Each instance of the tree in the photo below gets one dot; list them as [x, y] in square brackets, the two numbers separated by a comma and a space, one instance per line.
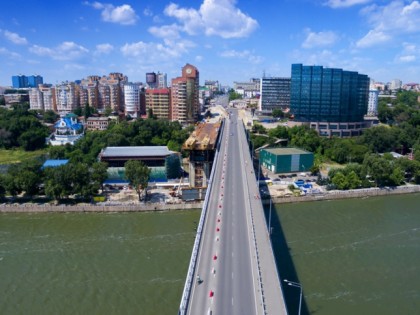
[108, 111]
[137, 174]
[99, 174]
[50, 116]
[396, 177]
[233, 95]
[340, 181]
[277, 113]
[88, 111]
[353, 180]
[58, 181]
[32, 140]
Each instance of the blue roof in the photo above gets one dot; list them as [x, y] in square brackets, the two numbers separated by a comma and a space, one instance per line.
[54, 163]
[69, 124]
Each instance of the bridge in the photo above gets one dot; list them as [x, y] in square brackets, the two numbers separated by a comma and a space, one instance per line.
[232, 268]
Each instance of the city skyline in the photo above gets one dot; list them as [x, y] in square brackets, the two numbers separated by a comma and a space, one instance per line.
[226, 40]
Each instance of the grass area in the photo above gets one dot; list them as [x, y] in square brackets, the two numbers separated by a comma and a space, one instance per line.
[16, 156]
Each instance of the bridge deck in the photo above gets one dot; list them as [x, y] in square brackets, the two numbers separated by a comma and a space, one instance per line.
[235, 262]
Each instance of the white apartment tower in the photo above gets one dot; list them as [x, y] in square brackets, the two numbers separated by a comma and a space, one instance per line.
[36, 101]
[162, 81]
[373, 102]
[132, 99]
[67, 96]
[396, 84]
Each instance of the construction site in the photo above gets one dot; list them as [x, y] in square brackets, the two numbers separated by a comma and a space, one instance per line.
[201, 148]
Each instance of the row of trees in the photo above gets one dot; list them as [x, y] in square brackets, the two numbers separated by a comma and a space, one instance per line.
[66, 180]
[55, 182]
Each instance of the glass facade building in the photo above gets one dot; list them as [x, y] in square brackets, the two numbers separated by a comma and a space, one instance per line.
[274, 94]
[327, 95]
[22, 81]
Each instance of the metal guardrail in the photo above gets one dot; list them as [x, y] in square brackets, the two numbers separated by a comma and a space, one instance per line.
[191, 269]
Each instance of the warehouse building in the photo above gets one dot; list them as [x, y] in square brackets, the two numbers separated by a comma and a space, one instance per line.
[155, 157]
[286, 160]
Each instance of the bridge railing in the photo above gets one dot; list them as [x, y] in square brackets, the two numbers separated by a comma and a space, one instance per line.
[254, 238]
[249, 154]
[191, 269]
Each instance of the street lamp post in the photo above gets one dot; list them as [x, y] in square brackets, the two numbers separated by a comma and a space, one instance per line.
[297, 285]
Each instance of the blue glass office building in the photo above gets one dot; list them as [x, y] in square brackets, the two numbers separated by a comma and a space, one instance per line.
[22, 81]
[332, 101]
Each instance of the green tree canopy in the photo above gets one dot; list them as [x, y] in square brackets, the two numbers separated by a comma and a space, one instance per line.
[138, 175]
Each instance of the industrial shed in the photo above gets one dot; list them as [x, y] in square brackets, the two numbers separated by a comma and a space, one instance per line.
[286, 160]
[155, 157]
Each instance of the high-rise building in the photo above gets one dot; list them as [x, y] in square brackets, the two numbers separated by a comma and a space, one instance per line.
[132, 99]
[395, 85]
[19, 81]
[185, 96]
[274, 94]
[159, 102]
[35, 80]
[67, 96]
[151, 81]
[103, 92]
[373, 102]
[22, 81]
[48, 97]
[36, 101]
[332, 101]
[42, 98]
[162, 82]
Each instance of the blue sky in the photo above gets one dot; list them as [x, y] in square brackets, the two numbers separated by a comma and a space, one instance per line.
[226, 40]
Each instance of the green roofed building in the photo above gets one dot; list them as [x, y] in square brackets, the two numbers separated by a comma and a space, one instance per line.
[286, 160]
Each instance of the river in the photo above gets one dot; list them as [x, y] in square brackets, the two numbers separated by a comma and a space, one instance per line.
[94, 263]
[355, 256]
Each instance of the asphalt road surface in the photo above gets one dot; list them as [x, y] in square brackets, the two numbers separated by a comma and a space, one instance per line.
[226, 262]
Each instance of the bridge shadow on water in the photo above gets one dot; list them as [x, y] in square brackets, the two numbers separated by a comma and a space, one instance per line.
[285, 267]
[284, 261]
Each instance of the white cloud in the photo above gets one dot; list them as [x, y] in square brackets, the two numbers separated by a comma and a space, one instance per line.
[344, 3]
[390, 21]
[64, 51]
[14, 38]
[165, 31]
[409, 53]
[407, 58]
[313, 39]
[148, 12]
[8, 53]
[123, 14]
[103, 49]
[153, 52]
[198, 58]
[245, 54]
[215, 17]
[372, 38]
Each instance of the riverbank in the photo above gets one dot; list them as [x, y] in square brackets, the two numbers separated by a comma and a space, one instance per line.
[348, 194]
[141, 207]
[106, 207]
